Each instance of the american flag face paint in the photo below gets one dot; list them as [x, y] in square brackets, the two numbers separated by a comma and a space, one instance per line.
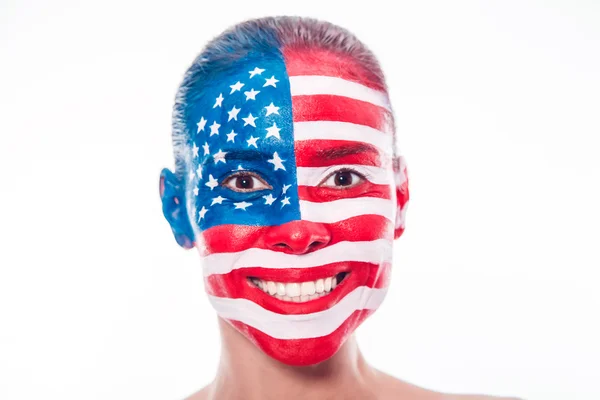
[294, 199]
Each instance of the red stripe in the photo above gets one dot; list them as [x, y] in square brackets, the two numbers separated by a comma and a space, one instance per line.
[338, 108]
[403, 192]
[301, 352]
[323, 194]
[233, 238]
[235, 284]
[324, 153]
[314, 61]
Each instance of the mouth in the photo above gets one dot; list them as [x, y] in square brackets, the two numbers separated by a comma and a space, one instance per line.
[299, 292]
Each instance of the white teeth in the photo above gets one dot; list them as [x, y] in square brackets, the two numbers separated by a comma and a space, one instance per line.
[307, 288]
[297, 292]
[292, 289]
[280, 289]
[320, 286]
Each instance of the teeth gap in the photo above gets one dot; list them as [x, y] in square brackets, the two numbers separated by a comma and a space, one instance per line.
[340, 277]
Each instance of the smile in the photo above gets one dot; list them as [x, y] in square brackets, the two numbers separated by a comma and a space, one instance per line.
[299, 292]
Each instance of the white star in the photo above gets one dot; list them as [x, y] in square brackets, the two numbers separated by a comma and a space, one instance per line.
[199, 172]
[242, 205]
[212, 182]
[285, 188]
[271, 82]
[217, 200]
[257, 71]
[233, 113]
[286, 200]
[192, 175]
[273, 131]
[219, 156]
[214, 128]
[252, 141]
[219, 101]
[236, 87]
[195, 150]
[271, 109]
[269, 199]
[251, 95]
[201, 124]
[231, 136]
[206, 149]
[202, 213]
[277, 162]
[196, 191]
[249, 120]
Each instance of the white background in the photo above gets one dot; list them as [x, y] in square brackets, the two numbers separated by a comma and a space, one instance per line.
[495, 286]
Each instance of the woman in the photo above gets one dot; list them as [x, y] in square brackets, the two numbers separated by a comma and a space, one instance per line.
[288, 183]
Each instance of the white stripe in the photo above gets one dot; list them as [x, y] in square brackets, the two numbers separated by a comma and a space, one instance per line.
[298, 326]
[339, 210]
[312, 176]
[375, 252]
[335, 130]
[314, 84]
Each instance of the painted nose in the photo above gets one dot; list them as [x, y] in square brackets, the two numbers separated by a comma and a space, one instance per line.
[297, 237]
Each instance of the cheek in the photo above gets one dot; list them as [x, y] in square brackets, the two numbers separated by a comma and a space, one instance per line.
[362, 229]
[231, 238]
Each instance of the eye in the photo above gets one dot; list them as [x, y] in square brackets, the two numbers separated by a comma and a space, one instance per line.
[245, 182]
[342, 179]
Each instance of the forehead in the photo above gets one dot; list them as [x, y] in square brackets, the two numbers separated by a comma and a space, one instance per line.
[270, 103]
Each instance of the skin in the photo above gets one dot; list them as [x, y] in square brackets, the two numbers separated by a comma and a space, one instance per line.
[247, 373]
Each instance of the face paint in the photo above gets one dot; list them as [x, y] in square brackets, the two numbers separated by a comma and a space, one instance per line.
[293, 200]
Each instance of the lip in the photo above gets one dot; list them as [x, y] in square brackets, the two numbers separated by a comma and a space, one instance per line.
[306, 307]
[356, 275]
[297, 275]
[235, 284]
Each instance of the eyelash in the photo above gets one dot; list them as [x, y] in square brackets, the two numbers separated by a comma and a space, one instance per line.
[362, 175]
[245, 173]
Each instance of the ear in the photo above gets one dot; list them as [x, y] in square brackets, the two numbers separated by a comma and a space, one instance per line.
[401, 179]
[172, 194]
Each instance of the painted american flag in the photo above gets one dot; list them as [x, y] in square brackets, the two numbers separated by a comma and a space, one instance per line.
[291, 121]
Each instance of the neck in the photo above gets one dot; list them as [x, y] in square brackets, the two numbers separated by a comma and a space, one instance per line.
[246, 372]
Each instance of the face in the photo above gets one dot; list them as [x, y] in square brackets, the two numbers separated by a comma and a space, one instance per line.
[293, 200]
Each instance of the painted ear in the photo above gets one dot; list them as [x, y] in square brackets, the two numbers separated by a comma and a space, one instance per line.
[172, 194]
[401, 179]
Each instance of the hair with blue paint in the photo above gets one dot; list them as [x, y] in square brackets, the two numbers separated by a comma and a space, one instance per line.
[267, 35]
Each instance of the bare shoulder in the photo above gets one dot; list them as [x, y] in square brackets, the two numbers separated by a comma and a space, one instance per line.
[202, 394]
[394, 388]
[475, 397]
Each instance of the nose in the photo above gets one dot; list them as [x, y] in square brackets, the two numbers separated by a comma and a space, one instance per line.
[297, 237]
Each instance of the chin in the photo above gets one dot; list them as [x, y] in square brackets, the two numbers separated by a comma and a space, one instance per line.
[303, 352]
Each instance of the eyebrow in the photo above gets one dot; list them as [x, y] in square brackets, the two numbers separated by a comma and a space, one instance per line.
[343, 151]
[247, 155]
